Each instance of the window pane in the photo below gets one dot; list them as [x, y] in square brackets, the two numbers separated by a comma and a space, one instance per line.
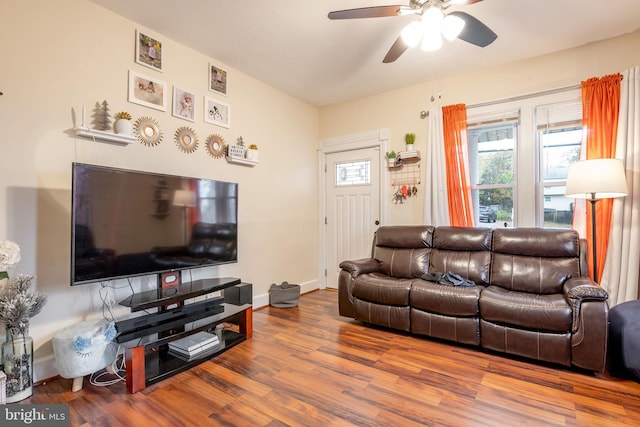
[558, 210]
[495, 150]
[492, 168]
[560, 148]
[353, 173]
[495, 207]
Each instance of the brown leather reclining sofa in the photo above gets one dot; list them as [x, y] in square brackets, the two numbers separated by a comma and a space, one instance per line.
[530, 297]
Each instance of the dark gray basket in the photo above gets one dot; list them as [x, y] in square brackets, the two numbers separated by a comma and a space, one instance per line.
[284, 296]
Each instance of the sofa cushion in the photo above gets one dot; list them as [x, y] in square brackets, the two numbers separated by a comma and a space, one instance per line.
[464, 251]
[534, 259]
[403, 263]
[389, 316]
[545, 346]
[405, 236]
[443, 299]
[531, 311]
[537, 242]
[462, 238]
[403, 251]
[381, 289]
[465, 330]
[531, 274]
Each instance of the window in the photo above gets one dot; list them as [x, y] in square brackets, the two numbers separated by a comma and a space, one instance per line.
[492, 153]
[559, 137]
[519, 152]
[353, 173]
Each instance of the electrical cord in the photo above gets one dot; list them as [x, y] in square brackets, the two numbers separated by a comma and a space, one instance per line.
[118, 369]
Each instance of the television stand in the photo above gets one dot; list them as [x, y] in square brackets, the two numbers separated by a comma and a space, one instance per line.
[148, 359]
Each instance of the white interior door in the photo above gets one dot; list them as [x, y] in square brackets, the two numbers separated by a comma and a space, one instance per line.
[352, 183]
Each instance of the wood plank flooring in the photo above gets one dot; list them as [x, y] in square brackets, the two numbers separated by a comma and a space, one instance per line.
[307, 366]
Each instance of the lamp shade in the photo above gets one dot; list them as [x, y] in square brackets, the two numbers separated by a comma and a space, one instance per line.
[596, 179]
[184, 198]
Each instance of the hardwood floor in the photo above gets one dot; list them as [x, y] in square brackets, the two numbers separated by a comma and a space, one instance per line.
[307, 366]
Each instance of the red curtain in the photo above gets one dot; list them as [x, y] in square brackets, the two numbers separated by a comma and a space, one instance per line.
[454, 119]
[600, 111]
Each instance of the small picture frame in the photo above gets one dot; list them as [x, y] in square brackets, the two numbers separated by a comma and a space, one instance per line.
[217, 80]
[148, 51]
[217, 112]
[184, 104]
[147, 91]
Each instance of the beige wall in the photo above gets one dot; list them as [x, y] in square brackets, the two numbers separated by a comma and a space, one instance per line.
[399, 110]
[58, 56]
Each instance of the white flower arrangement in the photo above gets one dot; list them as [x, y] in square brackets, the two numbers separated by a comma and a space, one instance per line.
[18, 304]
[9, 257]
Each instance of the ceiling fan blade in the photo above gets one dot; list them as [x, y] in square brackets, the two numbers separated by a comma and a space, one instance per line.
[397, 49]
[368, 12]
[465, 2]
[474, 31]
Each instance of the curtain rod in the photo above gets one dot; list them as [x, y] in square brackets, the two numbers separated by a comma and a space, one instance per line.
[527, 96]
[424, 114]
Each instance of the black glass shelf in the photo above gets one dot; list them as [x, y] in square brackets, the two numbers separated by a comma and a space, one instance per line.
[161, 364]
[164, 336]
[167, 296]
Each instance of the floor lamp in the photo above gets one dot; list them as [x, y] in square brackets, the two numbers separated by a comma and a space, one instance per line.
[594, 180]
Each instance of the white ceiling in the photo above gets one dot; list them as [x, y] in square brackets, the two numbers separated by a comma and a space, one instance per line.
[293, 46]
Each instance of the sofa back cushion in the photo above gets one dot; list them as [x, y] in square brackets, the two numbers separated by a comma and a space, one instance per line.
[462, 250]
[403, 251]
[534, 260]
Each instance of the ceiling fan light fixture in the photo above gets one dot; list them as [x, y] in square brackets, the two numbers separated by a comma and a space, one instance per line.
[412, 33]
[432, 40]
[452, 27]
[432, 18]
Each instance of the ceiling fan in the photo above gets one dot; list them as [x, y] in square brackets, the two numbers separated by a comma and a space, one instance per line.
[433, 24]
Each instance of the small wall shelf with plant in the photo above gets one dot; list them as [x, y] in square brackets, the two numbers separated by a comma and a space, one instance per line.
[239, 155]
[409, 140]
[103, 135]
[392, 159]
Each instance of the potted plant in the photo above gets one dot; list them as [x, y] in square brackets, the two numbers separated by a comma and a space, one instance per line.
[123, 123]
[391, 158]
[409, 139]
[252, 152]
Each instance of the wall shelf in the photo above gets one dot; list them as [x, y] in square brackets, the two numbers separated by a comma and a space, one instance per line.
[102, 136]
[240, 161]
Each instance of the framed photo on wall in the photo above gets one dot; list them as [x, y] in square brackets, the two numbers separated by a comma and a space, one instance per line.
[217, 80]
[148, 51]
[147, 91]
[184, 104]
[216, 112]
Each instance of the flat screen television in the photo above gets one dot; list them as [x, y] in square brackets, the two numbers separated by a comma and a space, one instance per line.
[129, 223]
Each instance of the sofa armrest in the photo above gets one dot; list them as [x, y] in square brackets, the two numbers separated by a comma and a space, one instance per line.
[590, 326]
[346, 279]
[360, 266]
[578, 290]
